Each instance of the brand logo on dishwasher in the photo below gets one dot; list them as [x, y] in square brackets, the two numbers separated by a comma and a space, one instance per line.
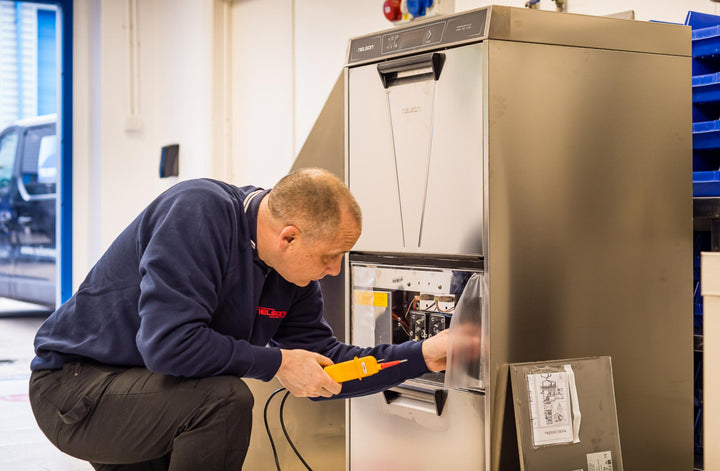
[367, 48]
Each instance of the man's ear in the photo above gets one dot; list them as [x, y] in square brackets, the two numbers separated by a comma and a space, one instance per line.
[288, 235]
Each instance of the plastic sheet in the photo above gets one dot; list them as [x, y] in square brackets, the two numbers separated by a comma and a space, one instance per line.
[466, 343]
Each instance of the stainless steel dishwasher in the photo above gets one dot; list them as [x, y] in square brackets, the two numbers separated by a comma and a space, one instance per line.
[525, 181]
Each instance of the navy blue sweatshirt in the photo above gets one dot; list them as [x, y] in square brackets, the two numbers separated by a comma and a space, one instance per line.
[182, 291]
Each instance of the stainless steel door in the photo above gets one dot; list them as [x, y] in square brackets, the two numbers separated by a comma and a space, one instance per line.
[397, 437]
[417, 150]
[425, 423]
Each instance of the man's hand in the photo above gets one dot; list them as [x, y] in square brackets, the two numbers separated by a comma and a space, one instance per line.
[301, 372]
[434, 351]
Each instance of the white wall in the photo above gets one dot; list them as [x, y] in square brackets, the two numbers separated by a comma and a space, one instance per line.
[238, 84]
[262, 90]
[321, 37]
[116, 169]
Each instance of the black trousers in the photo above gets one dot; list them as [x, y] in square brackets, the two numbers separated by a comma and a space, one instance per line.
[134, 420]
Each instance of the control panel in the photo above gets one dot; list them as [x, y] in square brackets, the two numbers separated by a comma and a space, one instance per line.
[416, 36]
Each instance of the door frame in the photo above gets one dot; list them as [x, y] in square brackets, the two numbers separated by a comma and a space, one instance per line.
[64, 213]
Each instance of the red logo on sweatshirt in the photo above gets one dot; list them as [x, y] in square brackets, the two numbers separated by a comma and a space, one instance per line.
[271, 313]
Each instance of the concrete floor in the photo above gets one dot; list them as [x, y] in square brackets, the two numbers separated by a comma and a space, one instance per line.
[23, 447]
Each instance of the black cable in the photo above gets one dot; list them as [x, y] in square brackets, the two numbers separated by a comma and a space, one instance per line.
[282, 424]
[267, 427]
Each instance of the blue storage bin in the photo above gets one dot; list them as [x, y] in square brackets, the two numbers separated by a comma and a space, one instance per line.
[706, 183]
[706, 88]
[701, 20]
[706, 42]
[706, 135]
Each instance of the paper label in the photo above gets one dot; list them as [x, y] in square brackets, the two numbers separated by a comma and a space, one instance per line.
[601, 461]
[551, 397]
[370, 298]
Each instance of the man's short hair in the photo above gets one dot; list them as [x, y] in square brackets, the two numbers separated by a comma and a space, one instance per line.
[313, 200]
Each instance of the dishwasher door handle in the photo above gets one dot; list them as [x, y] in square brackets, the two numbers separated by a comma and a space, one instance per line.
[413, 68]
[428, 400]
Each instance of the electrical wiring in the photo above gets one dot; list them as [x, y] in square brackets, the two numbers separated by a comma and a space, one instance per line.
[402, 321]
[403, 325]
[445, 311]
[411, 305]
[282, 425]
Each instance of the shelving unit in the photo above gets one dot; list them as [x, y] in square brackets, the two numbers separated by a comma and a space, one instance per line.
[706, 180]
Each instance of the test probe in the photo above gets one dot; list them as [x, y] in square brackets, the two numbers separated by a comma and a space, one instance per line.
[358, 368]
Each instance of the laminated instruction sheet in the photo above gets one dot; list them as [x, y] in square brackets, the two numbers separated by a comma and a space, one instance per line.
[554, 406]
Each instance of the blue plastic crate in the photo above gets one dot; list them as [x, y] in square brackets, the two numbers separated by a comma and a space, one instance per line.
[706, 42]
[706, 88]
[706, 183]
[701, 20]
[706, 135]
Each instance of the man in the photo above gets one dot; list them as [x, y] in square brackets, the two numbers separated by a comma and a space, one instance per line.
[141, 369]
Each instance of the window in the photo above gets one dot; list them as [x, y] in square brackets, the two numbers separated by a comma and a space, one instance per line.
[39, 162]
[8, 148]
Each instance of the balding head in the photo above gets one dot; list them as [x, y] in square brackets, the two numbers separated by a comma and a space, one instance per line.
[314, 200]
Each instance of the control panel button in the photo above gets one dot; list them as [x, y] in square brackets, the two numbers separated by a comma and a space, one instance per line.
[390, 42]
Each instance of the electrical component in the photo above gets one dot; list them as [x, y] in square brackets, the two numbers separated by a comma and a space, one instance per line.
[392, 11]
[357, 368]
[425, 302]
[408, 10]
[445, 303]
[418, 325]
[418, 7]
[436, 323]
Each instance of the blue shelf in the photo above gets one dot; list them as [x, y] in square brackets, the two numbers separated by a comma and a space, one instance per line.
[706, 88]
[706, 42]
[706, 102]
[706, 183]
[706, 135]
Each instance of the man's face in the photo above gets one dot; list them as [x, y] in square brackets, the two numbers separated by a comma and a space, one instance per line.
[306, 261]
